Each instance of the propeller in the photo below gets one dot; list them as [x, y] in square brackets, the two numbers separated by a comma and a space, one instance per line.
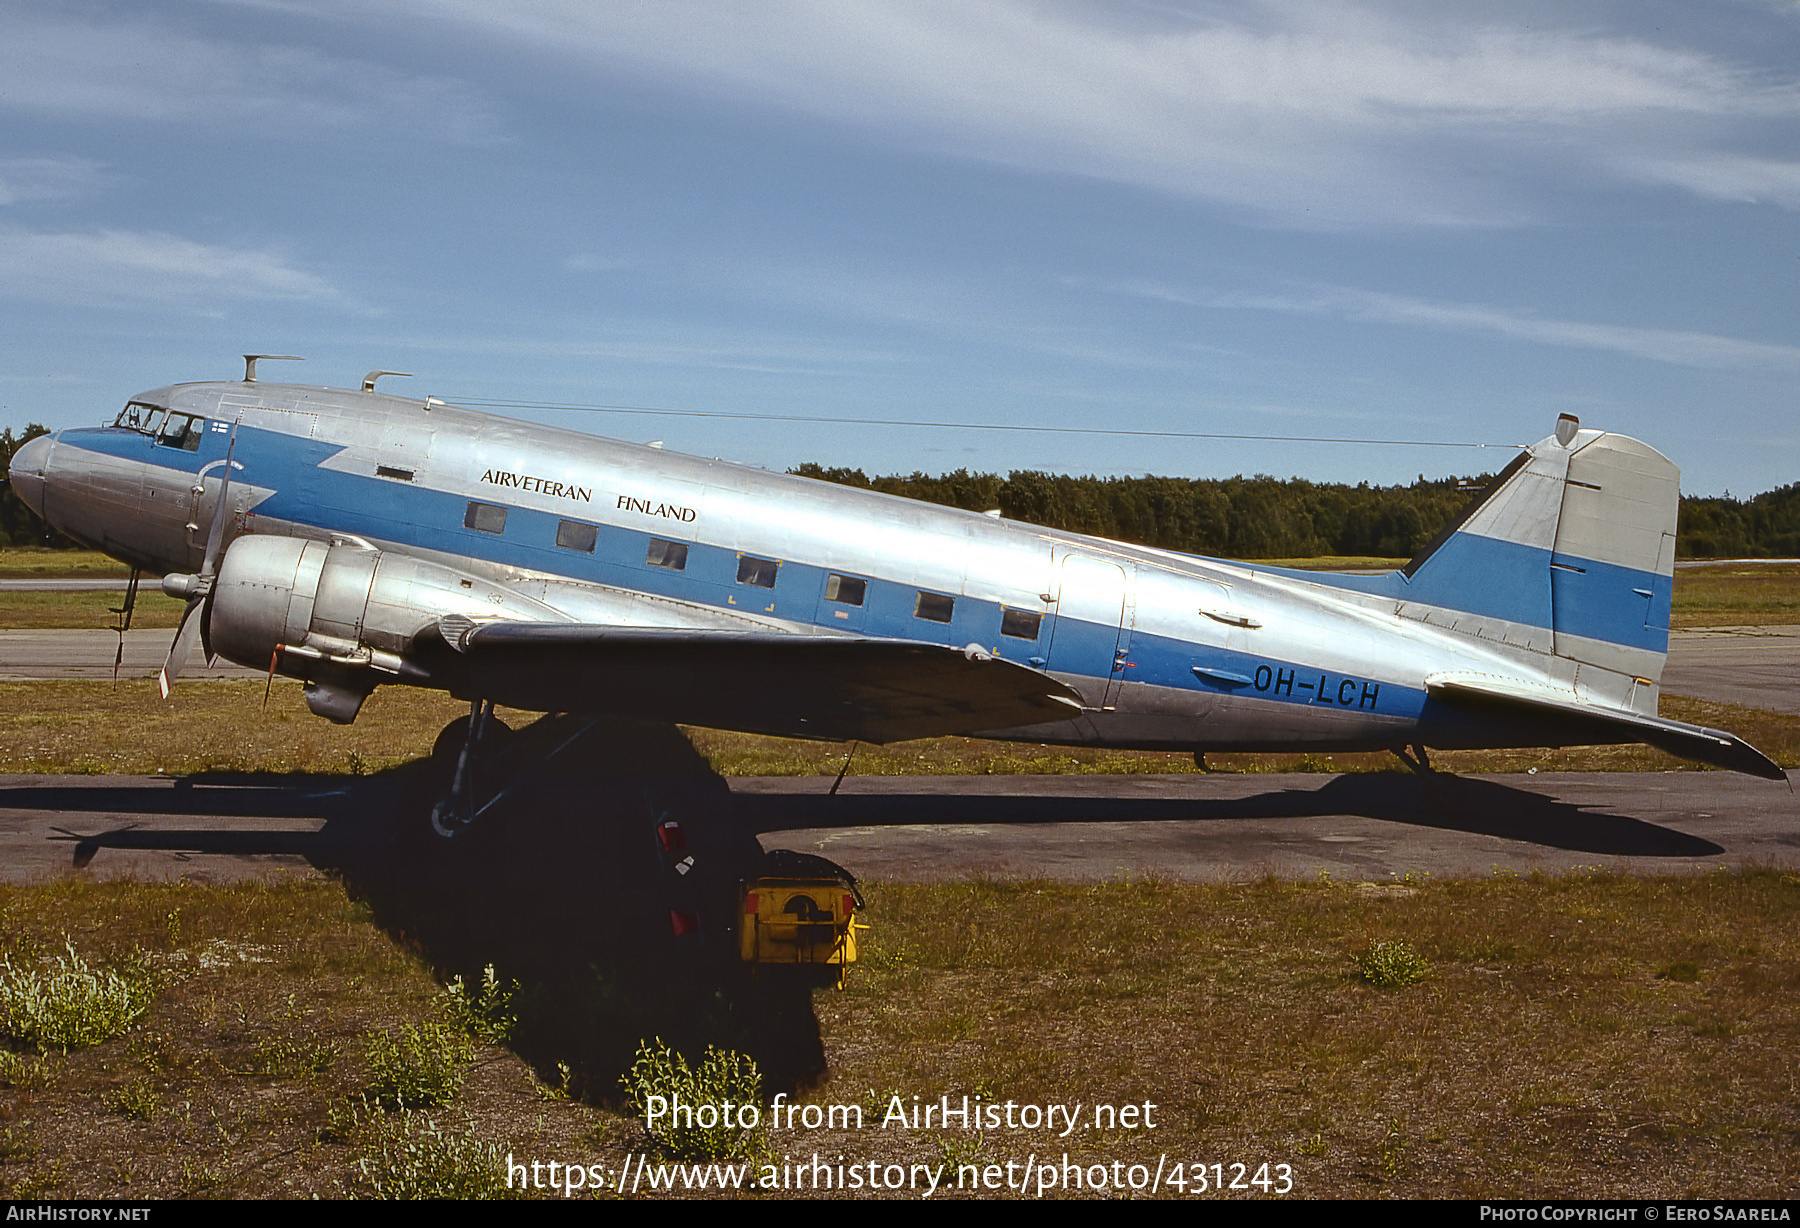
[198, 588]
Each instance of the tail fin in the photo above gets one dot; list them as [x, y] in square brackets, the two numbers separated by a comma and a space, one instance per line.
[1568, 559]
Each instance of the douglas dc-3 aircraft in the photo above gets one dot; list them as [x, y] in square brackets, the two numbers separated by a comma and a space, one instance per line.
[352, 538]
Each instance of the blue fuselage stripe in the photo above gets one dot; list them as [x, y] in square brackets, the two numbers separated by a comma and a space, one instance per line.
[393, 510]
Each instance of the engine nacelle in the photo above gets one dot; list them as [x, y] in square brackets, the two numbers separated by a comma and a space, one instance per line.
[348, 605]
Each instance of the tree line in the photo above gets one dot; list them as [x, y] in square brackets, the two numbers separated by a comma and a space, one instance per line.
[1263, 517]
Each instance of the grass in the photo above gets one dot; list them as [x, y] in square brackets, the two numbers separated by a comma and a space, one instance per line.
[87, 610]
[1589, 1035]
[1740, 595]
[38, 562]
[63, 1002]
[418, 1067]
[222, 725]
[209, 725]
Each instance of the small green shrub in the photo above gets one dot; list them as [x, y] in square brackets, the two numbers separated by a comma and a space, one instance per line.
[22, 1073]
[1391, 964]
[670, 1095]
[410, 1156]
[137, 1100]
[16, 1143]
[68, 1004]
[420, 1067]
[280, 1058]
[485, 1014]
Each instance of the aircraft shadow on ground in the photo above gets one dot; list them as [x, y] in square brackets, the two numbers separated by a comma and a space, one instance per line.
[569, 892]
[1449, 803]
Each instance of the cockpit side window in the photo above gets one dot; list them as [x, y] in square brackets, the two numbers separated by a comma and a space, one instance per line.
[182, 431]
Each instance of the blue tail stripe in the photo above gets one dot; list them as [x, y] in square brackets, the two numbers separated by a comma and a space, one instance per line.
[1493, 578]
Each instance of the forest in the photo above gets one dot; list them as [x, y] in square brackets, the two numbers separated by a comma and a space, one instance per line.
[1263, 517]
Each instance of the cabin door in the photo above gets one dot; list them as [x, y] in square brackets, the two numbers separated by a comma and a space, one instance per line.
[1091, 635]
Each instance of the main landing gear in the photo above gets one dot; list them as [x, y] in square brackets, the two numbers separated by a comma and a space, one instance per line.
[1422, 765]
[487, 763]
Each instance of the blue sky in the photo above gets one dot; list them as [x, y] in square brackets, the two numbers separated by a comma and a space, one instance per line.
[1399, 221]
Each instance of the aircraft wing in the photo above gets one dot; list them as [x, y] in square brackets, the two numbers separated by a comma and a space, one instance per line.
[1714, 746]
[808, 686]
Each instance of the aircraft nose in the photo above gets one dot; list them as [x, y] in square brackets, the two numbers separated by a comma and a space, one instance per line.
[27, 472]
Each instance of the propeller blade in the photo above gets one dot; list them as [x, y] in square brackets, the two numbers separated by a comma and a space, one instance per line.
[124, 623]
[185, 635]
[198, 589]
[215, 534]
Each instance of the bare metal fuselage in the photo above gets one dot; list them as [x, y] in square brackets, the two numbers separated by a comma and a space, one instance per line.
[499, 518]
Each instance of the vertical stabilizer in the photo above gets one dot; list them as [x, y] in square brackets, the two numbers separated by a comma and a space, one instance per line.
[1566, 562]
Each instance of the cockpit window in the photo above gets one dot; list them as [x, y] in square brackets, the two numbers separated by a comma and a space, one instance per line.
[170, 430]
[182, 431]
[139, 416]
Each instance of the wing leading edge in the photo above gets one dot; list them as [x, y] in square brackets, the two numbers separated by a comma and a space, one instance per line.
[809, 686]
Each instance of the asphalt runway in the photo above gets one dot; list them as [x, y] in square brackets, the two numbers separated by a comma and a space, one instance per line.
[923, 828]
[1758, 667]
[36, 656]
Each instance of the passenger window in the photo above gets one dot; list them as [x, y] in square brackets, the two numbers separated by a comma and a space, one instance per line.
[1020, 624]
[847, 590]
[485, 517]
[574, 535]
[760, 572]
[672, 555]
[934, 607]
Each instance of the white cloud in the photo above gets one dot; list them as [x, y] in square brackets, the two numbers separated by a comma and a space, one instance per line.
[140, 68]
[1687, 349]
[29, 179]
[121, 268]
[1726, 177]
[1308, 114]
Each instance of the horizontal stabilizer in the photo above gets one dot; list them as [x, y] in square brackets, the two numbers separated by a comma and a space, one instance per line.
[1575, 720]
[836, 688]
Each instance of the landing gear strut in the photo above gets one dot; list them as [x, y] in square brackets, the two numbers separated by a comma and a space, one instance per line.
[486, 743]
[1422, 765]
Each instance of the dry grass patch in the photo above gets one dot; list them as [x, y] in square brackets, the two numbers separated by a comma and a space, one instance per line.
[1546, 1056]
[1592, 1035]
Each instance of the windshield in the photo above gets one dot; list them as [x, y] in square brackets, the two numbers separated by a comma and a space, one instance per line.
[142, 416]
[171, 430]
